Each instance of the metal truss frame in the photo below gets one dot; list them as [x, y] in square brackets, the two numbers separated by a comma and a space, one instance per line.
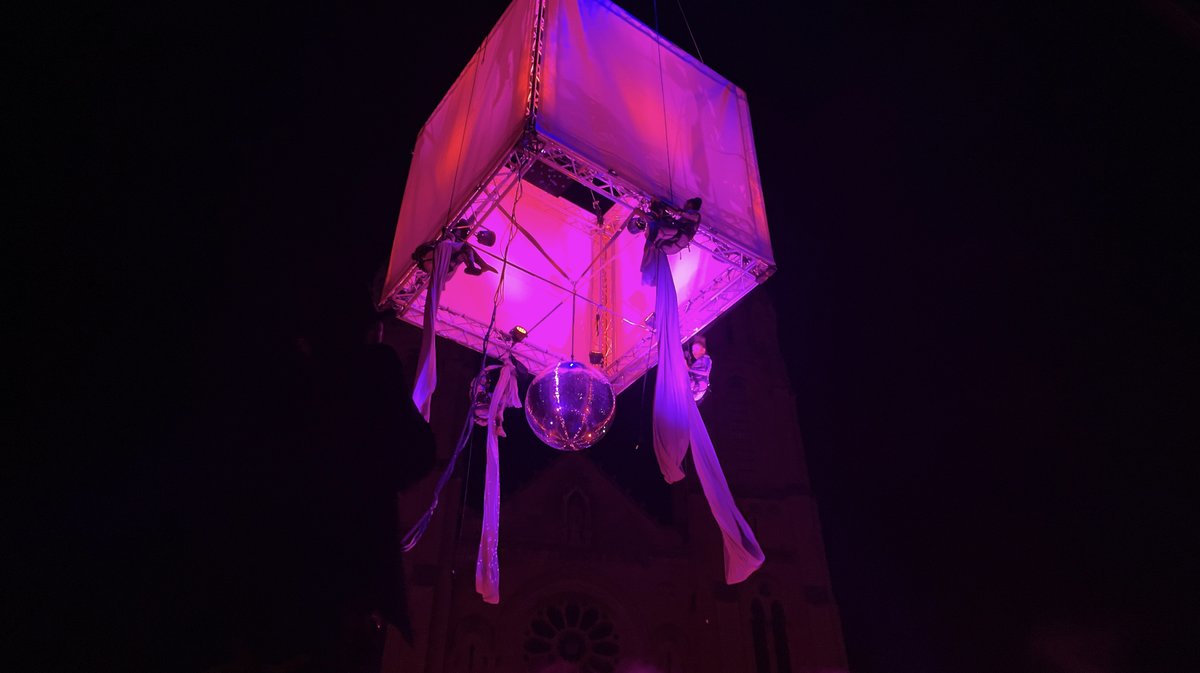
[604, 183]
[481, 204]
[537, 54]
[745, 269]
[469, 332]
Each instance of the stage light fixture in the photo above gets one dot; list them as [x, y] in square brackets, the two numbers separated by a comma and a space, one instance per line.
[486, 236]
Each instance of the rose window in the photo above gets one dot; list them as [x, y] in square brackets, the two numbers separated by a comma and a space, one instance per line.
[572, 631]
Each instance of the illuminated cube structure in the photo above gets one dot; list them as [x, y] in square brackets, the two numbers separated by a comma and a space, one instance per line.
[570, 119]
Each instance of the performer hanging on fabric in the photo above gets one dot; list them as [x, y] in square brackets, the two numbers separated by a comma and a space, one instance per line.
[670, 229]
[464, 254]
[699, 368]
[471, 260]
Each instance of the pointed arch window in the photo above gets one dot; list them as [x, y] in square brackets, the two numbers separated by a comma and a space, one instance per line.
[768, 629]
[577, 518]
[783, 654]
[758, 628]
[669, 660]
[472, 655]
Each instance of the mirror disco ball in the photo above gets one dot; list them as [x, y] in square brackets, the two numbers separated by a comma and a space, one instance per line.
[570, 406]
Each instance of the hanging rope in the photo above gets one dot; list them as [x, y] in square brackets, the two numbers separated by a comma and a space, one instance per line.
[462, 138]
[414, 535]
[662, 87]
[426, 379]
[462, 510]
[689, 29]
[574, 295]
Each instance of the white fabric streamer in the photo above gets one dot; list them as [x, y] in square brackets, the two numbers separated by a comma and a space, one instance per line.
[742, 554]
[677, 422]
[670, 400]
[487, 565]
[426, 380]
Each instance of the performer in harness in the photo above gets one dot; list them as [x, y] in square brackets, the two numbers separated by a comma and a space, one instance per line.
[464, 255]
[699, 368]
[669, 229]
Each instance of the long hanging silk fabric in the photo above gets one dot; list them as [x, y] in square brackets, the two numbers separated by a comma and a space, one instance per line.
[427, 361]
[742, 554]
[677, 422]
[487, 565]
[671, 400]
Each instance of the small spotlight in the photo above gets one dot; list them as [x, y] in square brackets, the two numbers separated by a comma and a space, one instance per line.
[486, 236]
[460, 229]
[596, 358]
[518, 334]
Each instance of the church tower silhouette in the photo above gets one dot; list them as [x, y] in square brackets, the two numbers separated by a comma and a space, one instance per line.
[605, 568]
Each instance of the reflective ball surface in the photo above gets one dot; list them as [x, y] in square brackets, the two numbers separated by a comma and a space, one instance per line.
[570, 406]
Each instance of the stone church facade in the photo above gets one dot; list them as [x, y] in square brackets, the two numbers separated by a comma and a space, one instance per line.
[592, 583]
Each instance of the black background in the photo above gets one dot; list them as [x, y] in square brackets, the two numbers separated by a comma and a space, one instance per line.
[984, 216]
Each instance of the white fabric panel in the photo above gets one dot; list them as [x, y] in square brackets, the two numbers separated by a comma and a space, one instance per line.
[473, 128]
[743, 555]
[677, 422]
[426, 381]
[487, 562]
[682, 134]
[671, 400]
[693, 270]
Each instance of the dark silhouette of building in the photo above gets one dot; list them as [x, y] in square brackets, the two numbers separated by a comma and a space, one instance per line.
[606, 568]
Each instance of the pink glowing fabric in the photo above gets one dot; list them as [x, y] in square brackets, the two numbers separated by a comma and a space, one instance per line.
[427, 360]
[677, 422]
[487, 565]
[670, 401]
[467, 136]
[642, 107]
[586, 77]
[618, 96]
[742, 554]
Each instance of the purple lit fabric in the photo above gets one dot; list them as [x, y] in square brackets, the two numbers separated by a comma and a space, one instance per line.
[671, 399]
[611, 92]
[615, 95]
[677, 422]
[427, 361]
[487, 565]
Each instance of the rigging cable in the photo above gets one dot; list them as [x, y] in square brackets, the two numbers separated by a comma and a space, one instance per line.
[662, 87]
[414, 535]
[689, 29]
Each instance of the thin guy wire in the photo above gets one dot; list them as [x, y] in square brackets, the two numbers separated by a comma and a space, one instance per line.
[662, 87]
[689, 27]
[463, 137]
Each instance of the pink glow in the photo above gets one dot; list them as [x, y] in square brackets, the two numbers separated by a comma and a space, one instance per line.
[623, 103]
[534, 287]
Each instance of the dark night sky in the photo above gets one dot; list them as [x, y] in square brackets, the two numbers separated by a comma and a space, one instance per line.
[984, 216]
